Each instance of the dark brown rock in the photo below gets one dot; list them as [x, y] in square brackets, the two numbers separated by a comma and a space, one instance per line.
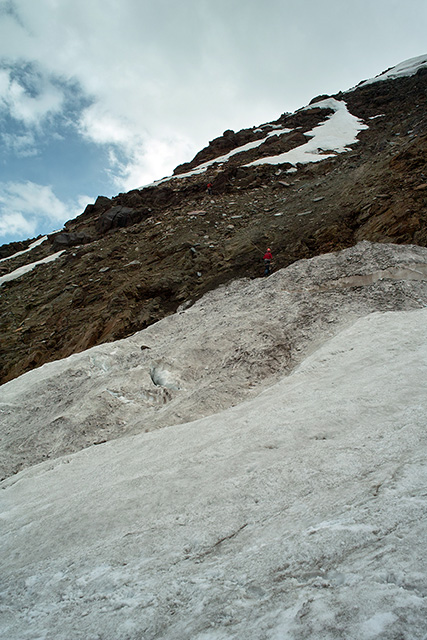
[117, 217]
[64, 240]
[9, 249]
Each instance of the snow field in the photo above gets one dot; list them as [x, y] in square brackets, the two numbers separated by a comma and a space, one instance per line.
[334, 135]
[227, 347]
[297, 514]
[401, 70]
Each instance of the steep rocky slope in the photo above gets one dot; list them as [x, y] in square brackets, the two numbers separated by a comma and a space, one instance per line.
[131, 260]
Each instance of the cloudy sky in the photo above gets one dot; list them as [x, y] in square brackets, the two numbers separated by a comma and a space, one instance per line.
[102, 96]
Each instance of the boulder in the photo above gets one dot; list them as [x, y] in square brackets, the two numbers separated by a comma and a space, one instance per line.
[115, 217]
[320, 98]
[63, 240]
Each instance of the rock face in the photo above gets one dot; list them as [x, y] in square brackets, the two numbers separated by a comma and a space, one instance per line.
[133, 259]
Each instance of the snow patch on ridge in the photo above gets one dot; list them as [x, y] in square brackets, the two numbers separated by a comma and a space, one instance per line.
[335, 135]
[29, 267]
[327, 139]
[402, 70]
[278, 131]
[32, 246]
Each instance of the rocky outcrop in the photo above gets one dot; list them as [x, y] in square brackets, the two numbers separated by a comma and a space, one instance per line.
[302, 121]
[220, 146]
[65, 240]
[115, 218]
[92, 211]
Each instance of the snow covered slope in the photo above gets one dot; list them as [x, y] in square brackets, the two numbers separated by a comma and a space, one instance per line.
[402, 70]
[234, 342]
[332, 136]
[297, 514]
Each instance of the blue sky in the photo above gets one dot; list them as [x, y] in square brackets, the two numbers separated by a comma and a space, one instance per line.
[104, 96]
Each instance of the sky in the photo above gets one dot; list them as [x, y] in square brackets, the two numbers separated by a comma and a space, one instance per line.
[104, 96]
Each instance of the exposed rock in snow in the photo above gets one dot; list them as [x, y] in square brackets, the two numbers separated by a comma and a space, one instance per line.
[334, 135]
[32, 246]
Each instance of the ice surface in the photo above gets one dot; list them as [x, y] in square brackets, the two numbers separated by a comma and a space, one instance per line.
[229, 346]
[298, 514]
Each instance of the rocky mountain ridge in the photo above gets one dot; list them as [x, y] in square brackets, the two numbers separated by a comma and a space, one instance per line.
[130, 260]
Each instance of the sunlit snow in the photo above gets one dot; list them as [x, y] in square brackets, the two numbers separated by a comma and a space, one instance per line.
[327, 139]
[402, 70]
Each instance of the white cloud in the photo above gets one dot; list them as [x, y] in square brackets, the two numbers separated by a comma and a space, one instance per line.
[149, 159]
[170, 60]
[21, 145]
[135, 156]
[81, 203]
[26, 206]
[29, 105]
[15, 223]
[30, 198]
[102, 127]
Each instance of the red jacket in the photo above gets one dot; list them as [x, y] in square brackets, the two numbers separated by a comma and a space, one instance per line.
[268, 256]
